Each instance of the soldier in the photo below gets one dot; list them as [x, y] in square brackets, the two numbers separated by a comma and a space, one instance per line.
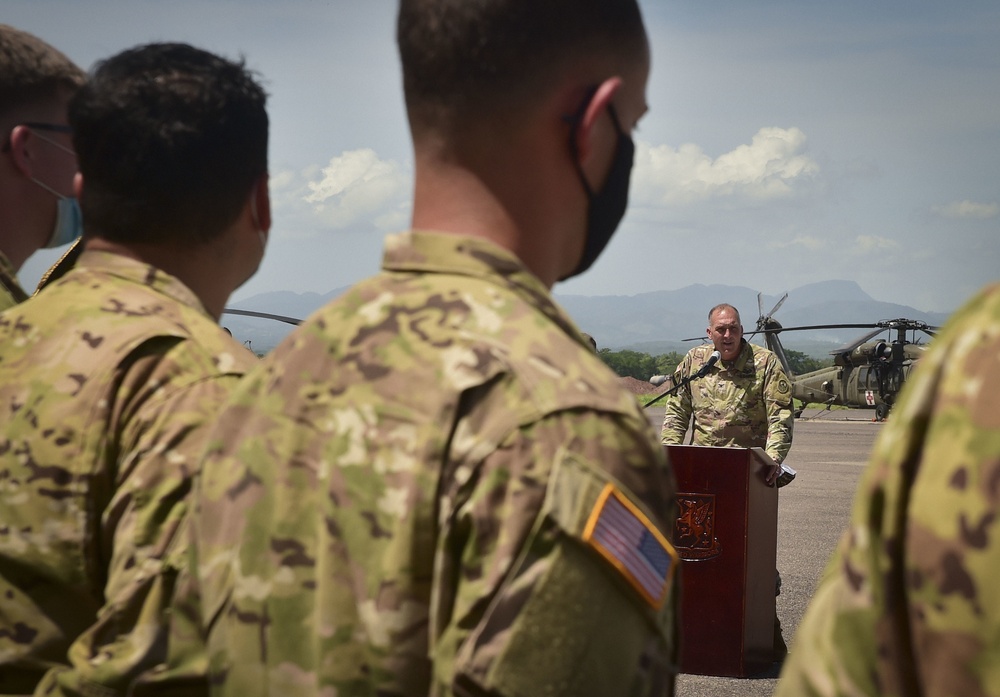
[37, 161]
[907, 604]
[744, 400]
[107, 375]
[434, 486]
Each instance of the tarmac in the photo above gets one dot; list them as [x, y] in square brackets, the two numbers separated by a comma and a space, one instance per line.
[829, 452]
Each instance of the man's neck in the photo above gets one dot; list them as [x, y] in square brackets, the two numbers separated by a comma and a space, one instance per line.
[197, 270]
[453, 199]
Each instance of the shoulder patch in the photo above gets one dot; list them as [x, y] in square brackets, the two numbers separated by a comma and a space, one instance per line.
[625, 537]
[783, 386]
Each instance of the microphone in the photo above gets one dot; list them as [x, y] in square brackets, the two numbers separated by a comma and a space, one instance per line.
[712, 360]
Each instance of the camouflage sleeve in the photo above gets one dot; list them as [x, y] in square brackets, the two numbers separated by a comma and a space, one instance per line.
[678, 408]
[184, 671]
[909, 602]
[161, 439]
[534, 594]
[780, 417]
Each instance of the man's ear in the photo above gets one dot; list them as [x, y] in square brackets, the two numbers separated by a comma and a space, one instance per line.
[77, 186]
[20, 151]
[598, 104]
[261, 205]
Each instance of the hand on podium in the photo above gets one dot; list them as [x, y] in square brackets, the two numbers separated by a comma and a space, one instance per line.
[782, 475]
[772, 474]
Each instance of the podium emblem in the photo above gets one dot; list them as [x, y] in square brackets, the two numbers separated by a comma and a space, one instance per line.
[694, 533]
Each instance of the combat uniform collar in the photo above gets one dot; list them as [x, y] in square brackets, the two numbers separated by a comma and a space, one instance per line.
[118, 266]
[8, 279]
[66, 262]
[746, 354]
[424, 251]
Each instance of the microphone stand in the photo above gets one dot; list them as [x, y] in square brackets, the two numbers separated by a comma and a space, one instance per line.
[683, 383]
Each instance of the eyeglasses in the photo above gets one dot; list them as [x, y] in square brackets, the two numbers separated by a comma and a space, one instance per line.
[38, 126]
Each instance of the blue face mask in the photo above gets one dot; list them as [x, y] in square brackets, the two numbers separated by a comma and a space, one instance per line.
[69, 223]
[69, 219]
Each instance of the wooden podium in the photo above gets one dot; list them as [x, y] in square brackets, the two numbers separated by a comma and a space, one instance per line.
[726, 535]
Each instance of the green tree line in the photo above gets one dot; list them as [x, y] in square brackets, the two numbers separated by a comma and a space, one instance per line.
[642, 366]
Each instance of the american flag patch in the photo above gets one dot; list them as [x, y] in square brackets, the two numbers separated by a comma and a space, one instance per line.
[624, 536]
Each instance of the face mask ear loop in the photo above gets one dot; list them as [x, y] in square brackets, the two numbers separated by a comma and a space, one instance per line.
[574, 122]
[68, 151]
[49, 189]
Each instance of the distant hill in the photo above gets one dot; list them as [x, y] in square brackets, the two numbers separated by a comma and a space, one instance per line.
[657, 322]
[654, 322]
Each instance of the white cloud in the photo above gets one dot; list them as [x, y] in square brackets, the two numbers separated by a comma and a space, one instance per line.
[802, 242]
[969, 210]
[873, 243]
[772, 166]
[354, 188]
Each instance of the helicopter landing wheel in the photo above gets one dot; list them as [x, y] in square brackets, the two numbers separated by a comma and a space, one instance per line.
[881, 411]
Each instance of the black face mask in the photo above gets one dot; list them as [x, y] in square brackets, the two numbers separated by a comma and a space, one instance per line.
[607, 206]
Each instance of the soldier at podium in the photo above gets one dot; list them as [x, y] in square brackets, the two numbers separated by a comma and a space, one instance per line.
[743, 400]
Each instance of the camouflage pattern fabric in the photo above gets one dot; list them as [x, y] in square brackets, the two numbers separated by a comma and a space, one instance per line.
[746, 403]
[103, 379]
[11, 292]
[910, 603]
[404, 500]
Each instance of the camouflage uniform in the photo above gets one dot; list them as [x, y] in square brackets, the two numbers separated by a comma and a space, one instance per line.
[910, 602]
[746, 403]
[11, 292]
[406, 500]
[102, 377]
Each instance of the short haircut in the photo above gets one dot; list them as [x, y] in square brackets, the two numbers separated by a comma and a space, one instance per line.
[723, 306]
[170, 140]
[464, 61]
[32, 71]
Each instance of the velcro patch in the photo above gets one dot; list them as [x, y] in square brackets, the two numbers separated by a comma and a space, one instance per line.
[626, 538]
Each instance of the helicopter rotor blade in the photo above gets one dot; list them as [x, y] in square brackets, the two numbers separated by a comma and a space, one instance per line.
[777, 305]
[847, 348]
[264, 315]
[765, 321]
[807, 327]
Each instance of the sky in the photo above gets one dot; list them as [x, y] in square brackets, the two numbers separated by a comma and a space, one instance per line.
[788, 142]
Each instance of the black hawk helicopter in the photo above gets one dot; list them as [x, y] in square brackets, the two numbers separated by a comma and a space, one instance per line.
[866, 373]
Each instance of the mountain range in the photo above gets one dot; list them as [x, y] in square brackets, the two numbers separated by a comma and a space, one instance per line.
[655, 322]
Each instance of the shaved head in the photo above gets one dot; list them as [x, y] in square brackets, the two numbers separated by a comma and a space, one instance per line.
[466, 61]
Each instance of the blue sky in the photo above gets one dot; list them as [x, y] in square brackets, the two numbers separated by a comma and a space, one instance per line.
[789, 141]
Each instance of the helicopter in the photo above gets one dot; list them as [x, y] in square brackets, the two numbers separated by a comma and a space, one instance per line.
[866, 373]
